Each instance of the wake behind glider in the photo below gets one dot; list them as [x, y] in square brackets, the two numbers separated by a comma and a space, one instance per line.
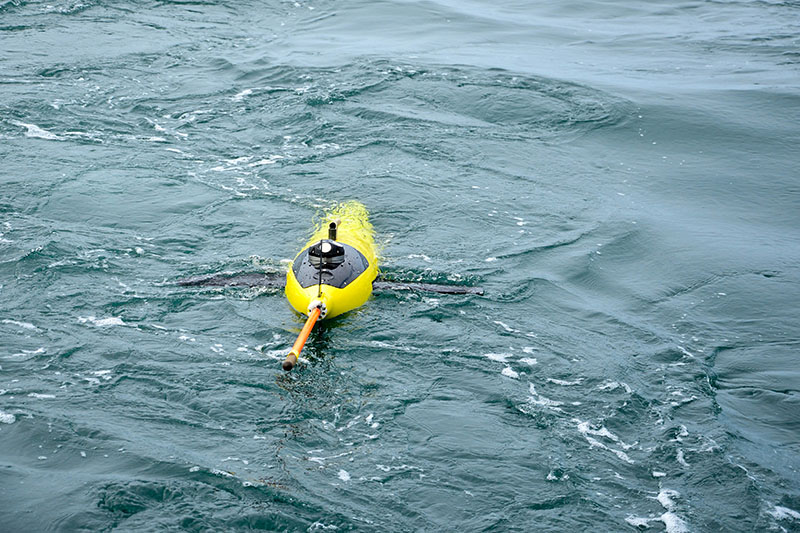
[336, 272]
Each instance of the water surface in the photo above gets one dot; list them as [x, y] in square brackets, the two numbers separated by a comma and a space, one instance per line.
[620, 178]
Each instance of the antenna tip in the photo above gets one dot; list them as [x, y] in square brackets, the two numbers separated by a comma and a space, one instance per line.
[290, 361]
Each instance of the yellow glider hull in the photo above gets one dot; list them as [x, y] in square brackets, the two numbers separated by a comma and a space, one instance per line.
[354, 229]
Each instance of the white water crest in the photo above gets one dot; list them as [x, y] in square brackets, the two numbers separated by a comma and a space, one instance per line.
[102, 322]
[36, 132]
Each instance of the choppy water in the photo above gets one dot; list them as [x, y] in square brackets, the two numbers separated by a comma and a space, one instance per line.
[620, 177]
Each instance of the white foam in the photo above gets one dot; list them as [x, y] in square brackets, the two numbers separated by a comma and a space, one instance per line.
[401, 468]
[25, 325]
[41, 396]
[684, 351]
[545, 402]
[102, 322]
[565, 383]
[537, 399]
[321, 460]
[587, 431]
[344, 475]
[614, 385]
[673, 523]
[105, 375]
[381, 344]
[584, 427]
[316, 526]
[238, 97]
[681, 459]
[499, 357]
[711, 445]
[551, 476]
[682, 433]
[530, 361]
[326, 146]
[637, 521]
[594, 443]
[659, 474]
[509, 372]
[278, 355]
[683, 401]
[350, 424]
[507, 327]
[7, 418]
[37, 132]
[783, 513]
[23, 353]
[665, 498]
[261, 162]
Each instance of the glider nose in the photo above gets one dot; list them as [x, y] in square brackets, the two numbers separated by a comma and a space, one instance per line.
[319, 303]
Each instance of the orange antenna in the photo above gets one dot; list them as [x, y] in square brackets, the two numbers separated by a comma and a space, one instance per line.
[294, 354]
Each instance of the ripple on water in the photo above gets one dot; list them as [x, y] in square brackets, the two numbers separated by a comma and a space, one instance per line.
[427, 99]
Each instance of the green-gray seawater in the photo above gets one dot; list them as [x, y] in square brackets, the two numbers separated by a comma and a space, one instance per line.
[620, 177]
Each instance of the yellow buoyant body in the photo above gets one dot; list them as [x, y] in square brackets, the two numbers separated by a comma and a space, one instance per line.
[355, 230]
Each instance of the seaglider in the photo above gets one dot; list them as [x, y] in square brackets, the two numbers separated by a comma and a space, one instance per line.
[335, 272]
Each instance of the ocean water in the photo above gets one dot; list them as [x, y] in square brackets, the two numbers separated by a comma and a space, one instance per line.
[620, 177]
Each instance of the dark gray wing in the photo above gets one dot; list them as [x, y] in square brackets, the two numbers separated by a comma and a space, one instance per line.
[251, 279]
[380, 285]
[278, 280]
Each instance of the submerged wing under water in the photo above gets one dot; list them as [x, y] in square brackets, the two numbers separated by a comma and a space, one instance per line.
[380, 285]
[277, 280]
[249, 279]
